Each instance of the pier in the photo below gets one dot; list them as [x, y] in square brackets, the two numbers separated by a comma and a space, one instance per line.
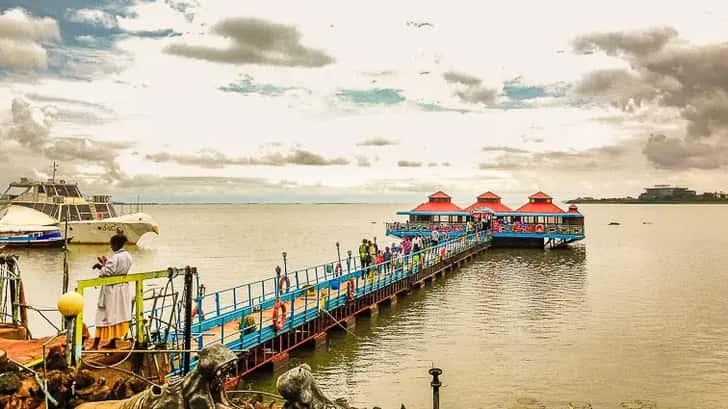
[538, 223]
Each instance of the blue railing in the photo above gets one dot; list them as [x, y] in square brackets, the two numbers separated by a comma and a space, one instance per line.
[310, 290]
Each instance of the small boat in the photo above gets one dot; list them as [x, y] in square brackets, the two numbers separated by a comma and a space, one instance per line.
[24, 227]
[30, 236]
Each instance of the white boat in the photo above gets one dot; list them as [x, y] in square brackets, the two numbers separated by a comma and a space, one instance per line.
[90, 220]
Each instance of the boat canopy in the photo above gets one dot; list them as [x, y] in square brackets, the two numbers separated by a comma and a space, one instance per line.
[24, 216]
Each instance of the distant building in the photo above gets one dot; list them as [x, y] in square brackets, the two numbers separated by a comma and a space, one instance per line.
[667, 192]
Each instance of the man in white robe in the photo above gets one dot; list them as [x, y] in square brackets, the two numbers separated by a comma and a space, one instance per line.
[114, 305]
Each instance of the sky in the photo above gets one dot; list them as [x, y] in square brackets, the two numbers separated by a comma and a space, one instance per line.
[377, 101]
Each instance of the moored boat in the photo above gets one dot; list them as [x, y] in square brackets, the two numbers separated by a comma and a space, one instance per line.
[90, 220]
[30, 236]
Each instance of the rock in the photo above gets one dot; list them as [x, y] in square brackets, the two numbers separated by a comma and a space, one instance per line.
[300, 390]
[580, 405]
[10, 382]
[527, 403]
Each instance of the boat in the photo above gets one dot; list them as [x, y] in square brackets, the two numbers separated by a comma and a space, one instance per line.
[25, 227]
[91, 220]
[30, 236]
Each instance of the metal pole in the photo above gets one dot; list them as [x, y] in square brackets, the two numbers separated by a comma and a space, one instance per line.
[188, 319]
[435, 372]
[338, 253]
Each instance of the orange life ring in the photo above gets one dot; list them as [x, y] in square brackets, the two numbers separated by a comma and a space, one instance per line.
[287, 282]
[539, 228]
[279, 315]
[350, 289]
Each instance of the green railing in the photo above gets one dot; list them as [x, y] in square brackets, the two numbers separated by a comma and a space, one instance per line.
[138, 280]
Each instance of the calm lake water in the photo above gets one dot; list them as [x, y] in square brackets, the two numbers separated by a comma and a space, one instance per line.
[635, 311]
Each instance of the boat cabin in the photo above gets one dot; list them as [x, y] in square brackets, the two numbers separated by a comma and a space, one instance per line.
[58, 199]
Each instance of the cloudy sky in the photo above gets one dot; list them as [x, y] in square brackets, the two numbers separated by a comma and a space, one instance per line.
[183, 100]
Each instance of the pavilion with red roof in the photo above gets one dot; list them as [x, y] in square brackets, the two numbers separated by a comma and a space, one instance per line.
[438, 208]
[539, 202]
[488, 201]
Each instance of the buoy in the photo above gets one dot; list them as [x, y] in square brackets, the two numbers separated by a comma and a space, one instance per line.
[70, 304]
[279, 315]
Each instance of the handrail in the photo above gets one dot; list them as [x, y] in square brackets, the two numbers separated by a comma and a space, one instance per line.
[138, 279]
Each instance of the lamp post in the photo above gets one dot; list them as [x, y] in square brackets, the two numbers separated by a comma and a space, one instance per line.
[435, 372]
[348, 262]
[338, 254]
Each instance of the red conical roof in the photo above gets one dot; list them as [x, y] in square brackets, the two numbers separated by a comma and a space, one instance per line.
[497, 207]
[539, 195]
[439, 195]
[438, 207]
[489, 195]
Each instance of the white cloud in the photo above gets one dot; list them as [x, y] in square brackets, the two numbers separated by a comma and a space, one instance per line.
[21, 36]
[92, 16]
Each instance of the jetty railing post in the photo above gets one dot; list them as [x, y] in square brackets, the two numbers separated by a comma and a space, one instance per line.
[188, 319]
[139, 311]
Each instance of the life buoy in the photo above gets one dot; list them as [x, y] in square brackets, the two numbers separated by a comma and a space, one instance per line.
[279, 315]
[350, 289]
[287, 282]
[539, 228]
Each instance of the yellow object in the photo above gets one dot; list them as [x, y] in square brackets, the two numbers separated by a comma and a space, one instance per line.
[155, 229]
[70, 304]
[117, 331]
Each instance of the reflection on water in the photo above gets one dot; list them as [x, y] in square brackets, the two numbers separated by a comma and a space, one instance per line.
[636, 311]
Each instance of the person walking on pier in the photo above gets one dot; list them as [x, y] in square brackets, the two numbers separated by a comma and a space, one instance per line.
[114, 304]
[364, 253]
[435, 237]
[387, 256]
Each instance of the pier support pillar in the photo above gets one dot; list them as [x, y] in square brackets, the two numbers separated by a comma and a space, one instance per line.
[280, 362]
[374, 310]
[393, 300]
[319, 340]
[350, 322]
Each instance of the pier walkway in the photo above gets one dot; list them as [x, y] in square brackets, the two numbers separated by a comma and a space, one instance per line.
[318, 299]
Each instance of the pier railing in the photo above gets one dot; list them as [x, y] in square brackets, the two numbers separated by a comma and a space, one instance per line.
[406, 227]
[241, 317]
[539, 228]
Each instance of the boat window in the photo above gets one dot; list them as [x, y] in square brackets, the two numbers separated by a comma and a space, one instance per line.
[41, 189]
[85, 212]
[51, 191]
[70, 212]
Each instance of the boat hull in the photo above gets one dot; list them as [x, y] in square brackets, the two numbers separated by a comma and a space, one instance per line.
[39, 239]
[134, 227]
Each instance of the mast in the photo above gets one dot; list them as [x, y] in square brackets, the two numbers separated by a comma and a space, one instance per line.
[54, 168]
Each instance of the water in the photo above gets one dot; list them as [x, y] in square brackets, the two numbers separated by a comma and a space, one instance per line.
[636, 311]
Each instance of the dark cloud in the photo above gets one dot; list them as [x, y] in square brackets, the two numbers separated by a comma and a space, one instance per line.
[471, 90]
[460, 78]
[595, 159]
[216, 160]
[408, 164]
[30, 130]
[363, 161]
[670, 74]
[506, 149]
[676, 153]
[637, 43]
[377, 142]
[255, 42]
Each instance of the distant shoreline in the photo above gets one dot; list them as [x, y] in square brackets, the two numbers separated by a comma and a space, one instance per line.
[637, 201]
